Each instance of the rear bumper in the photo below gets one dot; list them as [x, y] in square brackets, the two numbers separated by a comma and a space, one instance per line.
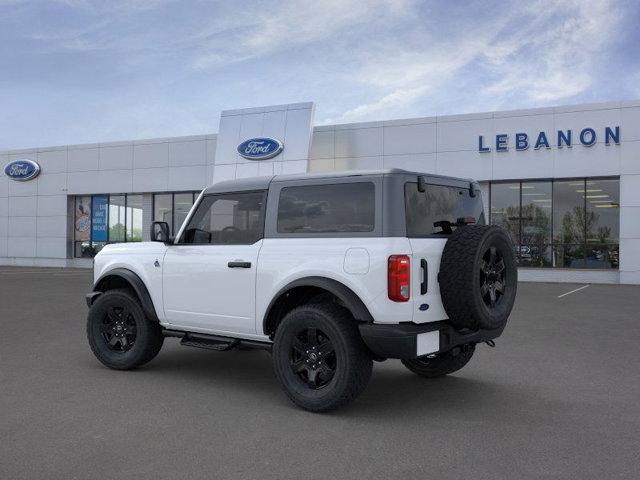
[409, 340]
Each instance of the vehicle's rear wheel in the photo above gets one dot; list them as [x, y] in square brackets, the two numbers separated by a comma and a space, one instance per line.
[320, 358]
[438, 365]
[119, 333]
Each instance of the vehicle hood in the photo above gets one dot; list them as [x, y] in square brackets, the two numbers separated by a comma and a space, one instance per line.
[156, 248]
[138, 257]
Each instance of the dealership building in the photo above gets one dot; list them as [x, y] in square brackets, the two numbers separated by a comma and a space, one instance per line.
[564, 181]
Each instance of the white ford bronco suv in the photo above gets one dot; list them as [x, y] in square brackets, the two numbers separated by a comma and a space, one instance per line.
[328, 272]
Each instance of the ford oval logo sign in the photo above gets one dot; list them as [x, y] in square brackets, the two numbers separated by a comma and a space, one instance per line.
[22, 170]
[260, 148]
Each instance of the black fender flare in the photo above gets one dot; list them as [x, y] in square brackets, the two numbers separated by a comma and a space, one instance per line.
[347, 296]
[135, 282]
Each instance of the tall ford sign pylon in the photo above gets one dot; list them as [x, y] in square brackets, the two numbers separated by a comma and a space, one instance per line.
[263, 141]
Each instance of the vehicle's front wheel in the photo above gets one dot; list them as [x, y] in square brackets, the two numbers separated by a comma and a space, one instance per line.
[320, 358]
[119, 333]
[432, 366]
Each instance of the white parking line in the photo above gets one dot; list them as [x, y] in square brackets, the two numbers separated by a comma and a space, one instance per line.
[573, 291]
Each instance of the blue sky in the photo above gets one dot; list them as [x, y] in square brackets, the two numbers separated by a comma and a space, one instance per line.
[77, 71]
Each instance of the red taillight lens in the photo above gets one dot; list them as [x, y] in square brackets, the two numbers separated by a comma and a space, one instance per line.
[398, 277]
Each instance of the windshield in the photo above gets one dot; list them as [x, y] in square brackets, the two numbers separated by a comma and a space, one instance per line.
[439, 208]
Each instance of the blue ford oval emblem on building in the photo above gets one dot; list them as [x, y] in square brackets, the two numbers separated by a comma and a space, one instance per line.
[22, 170]
[260, 148]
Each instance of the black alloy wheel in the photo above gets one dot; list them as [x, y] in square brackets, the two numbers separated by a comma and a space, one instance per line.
[319, 357]
[119, 329]
[492, 280]
[119, 333]
[313, 358]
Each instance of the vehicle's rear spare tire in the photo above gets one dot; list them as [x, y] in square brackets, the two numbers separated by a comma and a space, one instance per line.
[478, 277]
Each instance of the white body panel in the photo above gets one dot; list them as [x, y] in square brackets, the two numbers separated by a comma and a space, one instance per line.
[140, 258]
[193, 289]
[201, 292]
[285, 260]
[429, 249]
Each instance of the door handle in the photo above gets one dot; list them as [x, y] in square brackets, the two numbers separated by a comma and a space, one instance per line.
[239, 264]
[425, 276]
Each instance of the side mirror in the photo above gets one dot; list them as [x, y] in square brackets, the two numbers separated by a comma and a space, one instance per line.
[160, 232]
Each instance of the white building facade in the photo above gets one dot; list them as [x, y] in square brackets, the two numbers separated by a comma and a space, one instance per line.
[564, 181]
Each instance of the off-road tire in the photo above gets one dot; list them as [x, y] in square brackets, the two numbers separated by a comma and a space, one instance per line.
[353, 363]
[440, 364]
[462, 277]
[148, 336]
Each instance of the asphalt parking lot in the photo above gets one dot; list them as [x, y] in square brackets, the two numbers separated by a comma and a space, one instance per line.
[559, 397]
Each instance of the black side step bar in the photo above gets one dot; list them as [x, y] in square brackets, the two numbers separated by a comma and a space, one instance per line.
[214, 342]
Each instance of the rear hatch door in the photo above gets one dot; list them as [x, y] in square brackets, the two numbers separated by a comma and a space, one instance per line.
[431, 216]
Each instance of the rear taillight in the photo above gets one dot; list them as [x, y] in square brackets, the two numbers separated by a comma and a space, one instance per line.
[398, 277]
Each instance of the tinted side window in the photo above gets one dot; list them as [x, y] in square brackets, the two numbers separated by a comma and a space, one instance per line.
[342, 207]
[437, 204]
[227, 219]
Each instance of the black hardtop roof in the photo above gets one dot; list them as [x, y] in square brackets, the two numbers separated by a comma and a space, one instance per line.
[262, 183]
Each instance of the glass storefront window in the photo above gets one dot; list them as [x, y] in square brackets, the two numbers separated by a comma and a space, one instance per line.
[117, 218]
[603, 211]
[564, 223]
[568, 212]
[103, 219]
[173, 208]
[182, 204]
[163, 208]
[82, 227]
[568, 256]
[603, 223]
[505, 209]
[134, 218]
[535, 250]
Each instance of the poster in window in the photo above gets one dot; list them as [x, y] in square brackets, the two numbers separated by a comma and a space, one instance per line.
[83, 219]
[99, 209]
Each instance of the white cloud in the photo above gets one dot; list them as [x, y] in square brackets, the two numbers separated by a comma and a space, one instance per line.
[264, 31]
[404, 77]
[544, 52]
[161, 68]
[397, 98]
[557, 61]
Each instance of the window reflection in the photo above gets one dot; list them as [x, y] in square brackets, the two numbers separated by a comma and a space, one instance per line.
[568, 212]
[536, 224]
[173, 208]
[603, 211]
[134, 218]
[117, 214]
[569, 256]
[162, 209]
[565, 224]
[505, 209]
[182, 204]
[121, 213]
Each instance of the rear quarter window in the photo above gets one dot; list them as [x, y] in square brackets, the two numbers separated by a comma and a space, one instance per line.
[438, 203]
[338, 208]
